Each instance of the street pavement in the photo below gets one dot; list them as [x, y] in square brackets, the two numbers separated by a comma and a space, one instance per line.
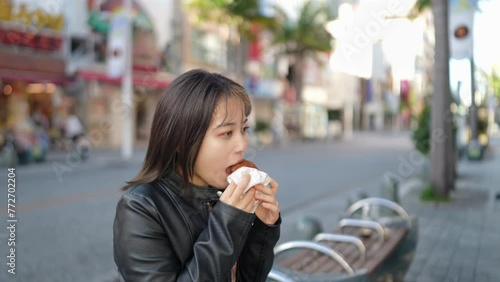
[460, 240]
[66, 207]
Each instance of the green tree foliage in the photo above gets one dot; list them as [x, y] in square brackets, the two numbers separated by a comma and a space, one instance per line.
[422, 132]
[304, 37]
[301, 38]
[419, 7]
[495, 83]
[239, 13]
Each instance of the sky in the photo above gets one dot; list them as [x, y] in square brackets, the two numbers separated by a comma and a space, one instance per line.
[487, 47]
[486, 42]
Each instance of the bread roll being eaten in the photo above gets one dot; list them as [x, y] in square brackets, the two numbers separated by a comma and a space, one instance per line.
[245, 163]
[237, 171]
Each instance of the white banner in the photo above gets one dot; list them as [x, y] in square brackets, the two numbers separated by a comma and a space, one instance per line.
[461, 24]
[117, 44]
[358, 28]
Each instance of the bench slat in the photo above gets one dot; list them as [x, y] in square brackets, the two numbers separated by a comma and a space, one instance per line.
[310, 261]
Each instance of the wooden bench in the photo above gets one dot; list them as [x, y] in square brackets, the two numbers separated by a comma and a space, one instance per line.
[354, 251]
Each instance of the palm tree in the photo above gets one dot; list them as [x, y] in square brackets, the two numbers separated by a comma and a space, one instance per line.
[442, 156]
[494, 81]
[304, 37]
[243, 14]
[299, 39]
[241, 18]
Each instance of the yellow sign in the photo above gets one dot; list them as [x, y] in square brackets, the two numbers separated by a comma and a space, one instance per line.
[36, 18]
[5, 10]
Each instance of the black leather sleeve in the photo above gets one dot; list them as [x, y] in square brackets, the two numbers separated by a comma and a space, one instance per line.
[144, 252]
[256, 259]
[141, 250]
[219, 245]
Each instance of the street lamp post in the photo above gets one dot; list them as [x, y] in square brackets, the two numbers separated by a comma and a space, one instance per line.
[127, 88]
[473, 106]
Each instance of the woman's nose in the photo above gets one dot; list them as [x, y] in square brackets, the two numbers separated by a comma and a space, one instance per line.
[242, 142]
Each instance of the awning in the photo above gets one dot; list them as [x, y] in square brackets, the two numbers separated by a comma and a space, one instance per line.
[146, 79]
[32, 67]
[14, 59]
[35, 77]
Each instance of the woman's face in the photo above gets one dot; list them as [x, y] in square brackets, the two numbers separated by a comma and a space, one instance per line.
[223, 145]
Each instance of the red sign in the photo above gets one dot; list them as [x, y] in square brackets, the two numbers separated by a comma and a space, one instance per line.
[48, 42]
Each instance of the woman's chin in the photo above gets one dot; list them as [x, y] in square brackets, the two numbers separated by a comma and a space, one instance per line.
[222, 185]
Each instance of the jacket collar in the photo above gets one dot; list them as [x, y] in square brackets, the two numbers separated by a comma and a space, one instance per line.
[194, 194]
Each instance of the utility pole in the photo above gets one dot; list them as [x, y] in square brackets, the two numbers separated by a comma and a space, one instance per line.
[127, 88]
[473, 106]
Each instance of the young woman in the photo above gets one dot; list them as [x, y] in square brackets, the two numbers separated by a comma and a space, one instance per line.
[178, 219]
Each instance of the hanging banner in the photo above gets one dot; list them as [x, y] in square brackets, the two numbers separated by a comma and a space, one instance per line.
[356, 31]
[117, 44]
[461, 24]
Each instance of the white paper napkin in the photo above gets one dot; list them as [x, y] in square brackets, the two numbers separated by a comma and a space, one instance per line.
[256, 176]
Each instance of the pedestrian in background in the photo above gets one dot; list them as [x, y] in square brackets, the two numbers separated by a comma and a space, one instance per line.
[73, 127]
[178, 219]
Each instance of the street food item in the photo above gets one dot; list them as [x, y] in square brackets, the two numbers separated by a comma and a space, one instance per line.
[237, 171]
[245, 163]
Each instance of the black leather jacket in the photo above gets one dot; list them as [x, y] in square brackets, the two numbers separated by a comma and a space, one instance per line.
[161, 233]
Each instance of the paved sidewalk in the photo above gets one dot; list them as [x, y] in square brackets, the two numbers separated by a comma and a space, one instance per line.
[97, 157]
[460, 240]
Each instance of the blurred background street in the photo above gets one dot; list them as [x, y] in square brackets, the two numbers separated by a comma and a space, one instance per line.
[345, 94]
[64, 227]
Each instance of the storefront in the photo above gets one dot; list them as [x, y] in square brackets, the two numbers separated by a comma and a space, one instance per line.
[32, 77]
[105, 110]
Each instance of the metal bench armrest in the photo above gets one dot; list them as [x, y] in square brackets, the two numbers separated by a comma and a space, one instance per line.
[343, 238]
[278, 276]
[374, 201]
[316, 247]
[364, 224]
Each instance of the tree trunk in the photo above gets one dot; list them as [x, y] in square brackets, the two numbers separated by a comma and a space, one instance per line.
[362, 102]
[298, 76]
[473, 107]
[441, 118]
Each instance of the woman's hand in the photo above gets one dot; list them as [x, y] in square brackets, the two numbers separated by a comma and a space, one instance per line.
[233, 195]
[268, 210]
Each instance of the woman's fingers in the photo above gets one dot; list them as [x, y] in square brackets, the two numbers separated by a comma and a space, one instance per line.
[248, 200]
[274, 186]
[268, 211]
[235, 189]
[240, 188]
[235, 195]
[274, 207]
[265, 194]
[228, 191]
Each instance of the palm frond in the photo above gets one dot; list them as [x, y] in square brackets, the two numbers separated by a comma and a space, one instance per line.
[307, 34]
[418, 8]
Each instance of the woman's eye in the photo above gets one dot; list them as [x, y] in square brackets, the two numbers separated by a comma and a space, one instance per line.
[245, 129]
[228, 133]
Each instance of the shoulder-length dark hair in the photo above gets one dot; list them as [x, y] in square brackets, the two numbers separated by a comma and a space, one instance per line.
[181, 119]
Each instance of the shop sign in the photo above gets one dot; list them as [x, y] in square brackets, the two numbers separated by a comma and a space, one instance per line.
[27, 38]
[37, 18]
[35, 29]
